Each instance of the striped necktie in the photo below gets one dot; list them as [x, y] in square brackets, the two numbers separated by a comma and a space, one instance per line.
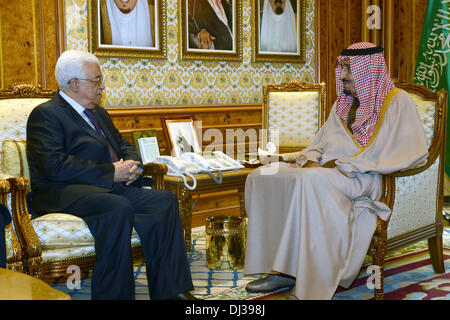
[112, 153]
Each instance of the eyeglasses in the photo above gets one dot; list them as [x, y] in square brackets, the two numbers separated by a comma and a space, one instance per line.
[97, 81]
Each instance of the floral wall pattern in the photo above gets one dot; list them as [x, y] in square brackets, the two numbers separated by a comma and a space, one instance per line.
[138, 82]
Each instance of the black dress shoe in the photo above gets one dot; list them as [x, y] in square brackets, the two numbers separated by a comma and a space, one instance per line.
[185, 296]
[270, 283]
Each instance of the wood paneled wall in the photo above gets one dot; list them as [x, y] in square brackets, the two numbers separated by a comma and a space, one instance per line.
[343, 22]
[31, 39]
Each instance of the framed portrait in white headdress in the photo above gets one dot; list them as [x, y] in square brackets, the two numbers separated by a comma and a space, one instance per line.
[128, 28]
[279, 30]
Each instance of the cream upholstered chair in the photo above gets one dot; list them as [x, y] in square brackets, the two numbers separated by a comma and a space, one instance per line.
[55, 241]
[415, 196]
[293, 113]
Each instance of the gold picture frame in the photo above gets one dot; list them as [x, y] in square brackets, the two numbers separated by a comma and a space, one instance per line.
[105, 39]
[197, 16]
[267, 50]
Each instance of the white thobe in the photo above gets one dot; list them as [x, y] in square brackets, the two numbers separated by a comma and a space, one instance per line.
[316, 224]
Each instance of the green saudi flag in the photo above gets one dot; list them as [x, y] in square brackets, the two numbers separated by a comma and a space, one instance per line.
[433, 65]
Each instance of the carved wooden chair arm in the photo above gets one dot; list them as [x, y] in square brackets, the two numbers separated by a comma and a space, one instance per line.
[15, 254]
[157, 171]
[31, 245]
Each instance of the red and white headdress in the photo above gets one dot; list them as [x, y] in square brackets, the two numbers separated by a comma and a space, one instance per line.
[372, 84]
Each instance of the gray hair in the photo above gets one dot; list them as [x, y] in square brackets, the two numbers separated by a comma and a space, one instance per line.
[70, 66]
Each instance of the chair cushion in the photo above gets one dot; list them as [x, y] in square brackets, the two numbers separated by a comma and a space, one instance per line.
[15, 161]
[61, 230]
[76, 252]
[67, 253]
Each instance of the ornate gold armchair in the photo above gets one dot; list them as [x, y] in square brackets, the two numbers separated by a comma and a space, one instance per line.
[13, 248]
[415, 196]
[55, 241]
[293, 113]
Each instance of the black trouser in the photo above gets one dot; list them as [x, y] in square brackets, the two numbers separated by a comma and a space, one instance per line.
[154, 214]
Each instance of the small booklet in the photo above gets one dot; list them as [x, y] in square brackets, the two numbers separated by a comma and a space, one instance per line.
[149, 149]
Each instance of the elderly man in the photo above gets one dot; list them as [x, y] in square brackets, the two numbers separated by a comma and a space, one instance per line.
[310, 225]
[278, 27]
[80, 164]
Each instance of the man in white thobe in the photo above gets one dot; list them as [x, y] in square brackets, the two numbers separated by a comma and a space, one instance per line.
[311, 223]
[278, 27]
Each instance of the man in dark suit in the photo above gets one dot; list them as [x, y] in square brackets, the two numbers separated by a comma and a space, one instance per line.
[80, 164]
[210, 24]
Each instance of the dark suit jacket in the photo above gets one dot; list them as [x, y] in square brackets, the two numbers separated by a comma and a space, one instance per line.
[67, 158]
[202, 16]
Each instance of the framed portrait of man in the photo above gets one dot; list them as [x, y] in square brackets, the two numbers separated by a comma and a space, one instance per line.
[279, 30]
[211, 29]
[128, 28]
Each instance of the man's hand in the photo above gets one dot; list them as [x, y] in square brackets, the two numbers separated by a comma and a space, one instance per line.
[205, 39]
[126, 171]
[311, 164]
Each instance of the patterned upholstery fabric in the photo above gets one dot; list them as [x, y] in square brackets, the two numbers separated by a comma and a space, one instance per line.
[297, 125]
[56, 230]
[64, 236]
[13, 116]
[14, 160]
[67, 253]
[415, 201]
[13, 121]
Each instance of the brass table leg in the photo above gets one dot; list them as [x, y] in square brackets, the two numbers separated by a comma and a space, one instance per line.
[185, 208]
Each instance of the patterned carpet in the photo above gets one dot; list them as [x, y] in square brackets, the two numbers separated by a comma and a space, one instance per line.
[408, 275]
